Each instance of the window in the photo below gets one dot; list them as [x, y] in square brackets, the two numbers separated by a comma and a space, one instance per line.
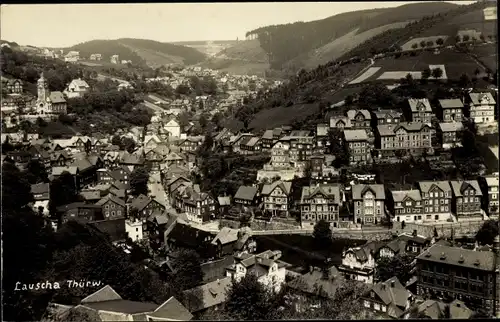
[137, 229]
[367, 304]
[376, 307]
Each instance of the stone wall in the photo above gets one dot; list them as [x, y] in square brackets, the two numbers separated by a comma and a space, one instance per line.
[444, 230]
[259, 225]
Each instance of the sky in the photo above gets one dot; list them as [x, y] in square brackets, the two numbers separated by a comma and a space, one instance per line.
[64, 25]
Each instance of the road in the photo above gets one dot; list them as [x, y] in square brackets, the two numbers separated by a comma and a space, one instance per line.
[157, 189]
[152, 106]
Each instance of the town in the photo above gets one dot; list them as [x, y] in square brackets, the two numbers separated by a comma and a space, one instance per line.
[136, 183]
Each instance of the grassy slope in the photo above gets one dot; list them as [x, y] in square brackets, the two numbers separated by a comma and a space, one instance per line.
[139, 50]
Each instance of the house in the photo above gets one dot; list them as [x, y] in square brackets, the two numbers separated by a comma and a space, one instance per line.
[115, 59]
[199, 206]
[358, 146]
[277, 197]
[403, 244]
[358, 263]
[207, 296]
[270, 271]
[413, 138]
[229, 240]
[388, 299]
[492, 189]
[435, 310]
[451, 134]
[112, 207]
[77, 88]
[13, 86]
[41, 194]
[451, 110]
[320, 202]
[107, 305]
[301, 146]
[245, 195]
[267, 140]
[189, 144]
[134, 229]
[250, 145]
[173, 128]
[369, 203]
[317, 282]
[408, 206]
[421, 110]
[322, 140]
[482, 107]
[95, 57]
[467, 199]
[340, 122]
[456, 273]
[280, 155]
[437, 196]
[384, 117]
[360, 119]
[79, 211]
[143, 207]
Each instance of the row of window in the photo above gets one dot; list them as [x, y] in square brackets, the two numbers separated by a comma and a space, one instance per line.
[330, 217]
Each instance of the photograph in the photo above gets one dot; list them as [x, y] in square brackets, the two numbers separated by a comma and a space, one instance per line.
[234, 161]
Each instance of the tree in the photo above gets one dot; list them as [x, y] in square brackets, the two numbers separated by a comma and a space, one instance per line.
[16, 190]
[487, 233]
[139, 181]
[414, 46]
[458, 38]
[116, 140]
[483, 39]
[182, 89]
[127, 144]
[248, 299]
[188, 273]
[62, 191]
[36, 172]
[349, 99]
[399, 266]
[466, 38]
[464, 80]
[423, 44]
[440, 41]
[477, 72]
[437, 73]
[430, 43]
[322, 232]
[426, 74]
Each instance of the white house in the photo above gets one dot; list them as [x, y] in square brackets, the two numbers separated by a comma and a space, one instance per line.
[72, 56]
[359, 263]
[482, 107]
[134, 229]
[77, 88]
[115, 59]
[270, 271]
[173, 128]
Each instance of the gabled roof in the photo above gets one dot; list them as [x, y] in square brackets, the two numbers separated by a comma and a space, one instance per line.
[268, 134]
[225, 236]
[451, 103]
[359, 190]
[393, 293]
[285, 186]
[57, 97]
[418, 104]
[141, 202]
[351, 114]
[40, 188]
[326, 190]
[401, 195]
[460, 186]
[56, 171]
[111, 198]
[451, 126]
[207, 295]
[479, 98]
[382, 114]
[246, 193]
[425, 186]
[107, 293]
[355, 135]
[171, 310]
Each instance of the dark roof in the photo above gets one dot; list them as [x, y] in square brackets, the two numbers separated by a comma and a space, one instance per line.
[246, 193]
[172, 309]
[74, 205]
[40, 188]
[459, 257]
[123, 306]
[140, 202]
[111, 198]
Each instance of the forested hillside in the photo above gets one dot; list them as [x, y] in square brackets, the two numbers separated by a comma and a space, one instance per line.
[285, 42]
[139, 51]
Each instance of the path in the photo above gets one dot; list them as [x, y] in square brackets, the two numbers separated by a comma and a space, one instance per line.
[157, 189]
[152, 106]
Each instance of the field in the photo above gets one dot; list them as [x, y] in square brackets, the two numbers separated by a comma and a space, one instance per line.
[236, 67]
[488, 55]
[369, 73]
[455, 65]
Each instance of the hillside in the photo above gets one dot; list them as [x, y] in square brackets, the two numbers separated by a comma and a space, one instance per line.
[140, 51]
[309, 93]
[286, 42]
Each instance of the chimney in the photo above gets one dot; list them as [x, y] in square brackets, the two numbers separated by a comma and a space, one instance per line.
[393, 284]
[383, 286]
[443, 256]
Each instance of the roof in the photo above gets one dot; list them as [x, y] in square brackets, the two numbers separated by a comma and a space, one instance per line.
[140, 202]
[57, 97]
[400, 195]
[419, 104]
[246, 193]
[322, 129]
[392, 292]
[111, 198]
[91, 194]
[384, 113]
[172, 309]
[425, 186]
[226, 235]
[458, 310]
[451, 126]
[252, 141]
[481, 260]
[359, 190]
[355, 135]
[390, 129]
[224, 201]
[326, 190]
[56, 171]
[106, 293]
[40, 188]
[458, 187]
[268, 134]
[492, 181]
[313, 281]
[451, 103]
[351, 114]
[285, 186]
[207, 295]
[478, 98]
[122, 306]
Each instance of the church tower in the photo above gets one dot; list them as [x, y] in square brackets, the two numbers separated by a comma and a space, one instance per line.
[43, 90]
